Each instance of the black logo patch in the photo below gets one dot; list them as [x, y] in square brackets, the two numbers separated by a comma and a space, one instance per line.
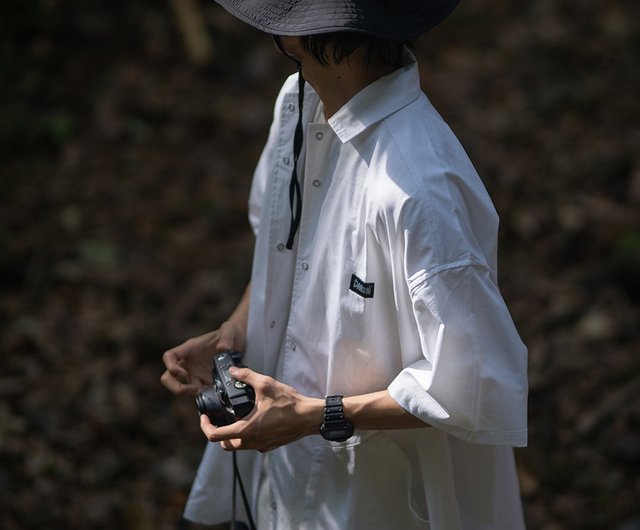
[361, 288]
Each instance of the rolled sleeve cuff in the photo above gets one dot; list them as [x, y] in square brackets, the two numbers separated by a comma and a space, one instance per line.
[409, 393]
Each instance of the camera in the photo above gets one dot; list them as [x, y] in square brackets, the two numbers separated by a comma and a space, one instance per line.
[227, 399]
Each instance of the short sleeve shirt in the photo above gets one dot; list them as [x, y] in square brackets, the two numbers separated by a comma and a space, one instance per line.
[391, 284]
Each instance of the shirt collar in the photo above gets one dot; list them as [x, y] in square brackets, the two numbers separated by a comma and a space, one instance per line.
[377, 101]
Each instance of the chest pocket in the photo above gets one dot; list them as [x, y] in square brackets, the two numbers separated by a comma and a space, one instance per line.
[355, 294]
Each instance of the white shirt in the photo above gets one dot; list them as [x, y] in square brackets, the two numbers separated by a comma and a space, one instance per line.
[391, 285]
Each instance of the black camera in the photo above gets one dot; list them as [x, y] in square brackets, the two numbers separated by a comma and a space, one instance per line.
[227, 399]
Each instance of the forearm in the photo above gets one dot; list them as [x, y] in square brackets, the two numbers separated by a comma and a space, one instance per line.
[240, 314]
[377, 410]
[282, 415]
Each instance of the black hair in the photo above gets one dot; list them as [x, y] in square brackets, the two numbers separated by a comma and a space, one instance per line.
[339, 46]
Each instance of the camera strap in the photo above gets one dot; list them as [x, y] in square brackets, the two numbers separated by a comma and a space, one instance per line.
[237, 479]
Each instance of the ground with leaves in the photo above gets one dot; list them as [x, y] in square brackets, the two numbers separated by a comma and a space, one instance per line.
[125, 166]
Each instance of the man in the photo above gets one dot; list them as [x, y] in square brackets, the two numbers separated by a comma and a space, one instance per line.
[373, 303]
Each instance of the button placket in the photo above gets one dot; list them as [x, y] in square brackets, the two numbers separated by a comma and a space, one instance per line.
[316, 150]
[275, 321]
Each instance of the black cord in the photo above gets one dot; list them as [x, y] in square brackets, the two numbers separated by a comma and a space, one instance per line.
[238, 478]
[233, 494]
[295, 193]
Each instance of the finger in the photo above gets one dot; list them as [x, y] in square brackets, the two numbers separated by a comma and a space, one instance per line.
[171, 359]
[231, 445]
[207, 428]
[169, 381]
[259, 382]
[246, 375]
[218, 434]
[212, 432]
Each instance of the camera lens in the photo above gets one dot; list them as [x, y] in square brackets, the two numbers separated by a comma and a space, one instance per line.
[208, 402]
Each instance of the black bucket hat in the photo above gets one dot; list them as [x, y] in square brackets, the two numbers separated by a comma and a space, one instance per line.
[387, 19]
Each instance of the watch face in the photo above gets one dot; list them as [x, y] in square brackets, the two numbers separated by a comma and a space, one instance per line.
[337, 433]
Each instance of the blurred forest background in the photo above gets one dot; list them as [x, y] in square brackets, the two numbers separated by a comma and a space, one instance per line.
[128, 133]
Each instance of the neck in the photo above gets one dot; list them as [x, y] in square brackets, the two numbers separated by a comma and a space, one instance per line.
[336, 84]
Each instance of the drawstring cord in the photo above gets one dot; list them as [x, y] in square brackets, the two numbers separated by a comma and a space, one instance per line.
[295, 191]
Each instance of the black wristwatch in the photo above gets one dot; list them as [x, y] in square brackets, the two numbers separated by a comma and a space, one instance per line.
[335, 427]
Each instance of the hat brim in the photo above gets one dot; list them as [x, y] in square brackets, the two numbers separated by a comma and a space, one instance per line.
[402, 21]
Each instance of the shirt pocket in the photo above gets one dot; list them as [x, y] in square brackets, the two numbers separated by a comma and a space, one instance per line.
[368, 482]
[357, 291]
[352, 305]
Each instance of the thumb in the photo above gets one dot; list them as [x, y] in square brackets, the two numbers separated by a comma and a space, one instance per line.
[246, 375]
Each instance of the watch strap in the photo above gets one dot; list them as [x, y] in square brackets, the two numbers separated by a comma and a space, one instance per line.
[336, 427]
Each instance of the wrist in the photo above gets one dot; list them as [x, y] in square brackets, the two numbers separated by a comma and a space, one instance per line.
[240, 315]
[311, 412]
[236, 323]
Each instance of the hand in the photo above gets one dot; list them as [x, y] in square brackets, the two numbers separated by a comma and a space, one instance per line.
[188, 366]
[281, 415]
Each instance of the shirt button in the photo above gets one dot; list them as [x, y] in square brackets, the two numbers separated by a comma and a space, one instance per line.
[286, 160]
[292, 107]
[293, 346]
[280, 247]
[274, 506]
[319, 136]
[272, 324]
[316, 183]
[305, 266]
